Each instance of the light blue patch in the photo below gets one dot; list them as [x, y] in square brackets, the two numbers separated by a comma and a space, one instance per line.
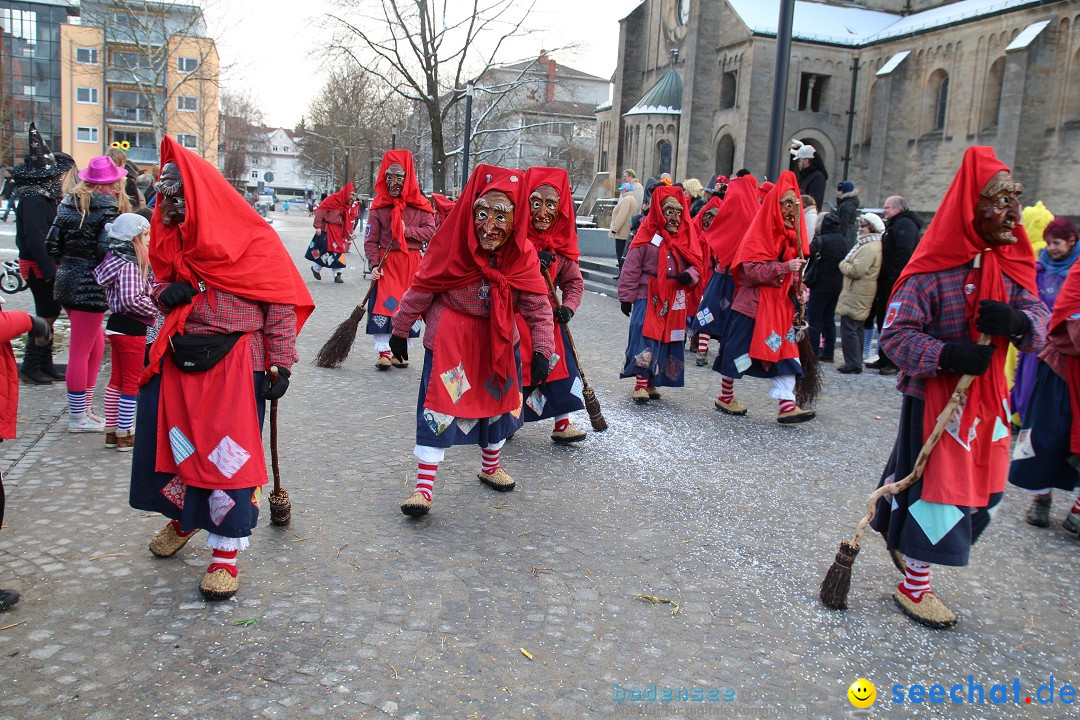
[774, 341]
[725, 304]
[577, 389]
[993, 510]
[416, 327]
[743, 362]
[1001, 430]
[1074, 316]
[935, 519]
[390, 303]
[182, 448]
[790, 337]
[379, 320]
[704, 316]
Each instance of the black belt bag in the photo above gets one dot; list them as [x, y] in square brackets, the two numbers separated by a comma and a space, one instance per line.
[195, 353]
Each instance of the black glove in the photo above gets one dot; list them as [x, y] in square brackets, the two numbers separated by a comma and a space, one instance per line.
[966, 358]
[399, 347]
[539, 369]
[176, 294]
[546, 258]
[685, 278]
[998, 318]
[276, 390]
[627, 308]
[563, 314]
[40, 333]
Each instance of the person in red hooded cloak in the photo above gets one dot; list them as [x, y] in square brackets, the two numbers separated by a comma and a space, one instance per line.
[234, 303]
[480, 268]
[553, 232]
[333, 232]
[400, 220]
[759, 340]
[662, 265]
[973, 273]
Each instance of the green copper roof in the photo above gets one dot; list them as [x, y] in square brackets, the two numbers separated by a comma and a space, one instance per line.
[663, 98]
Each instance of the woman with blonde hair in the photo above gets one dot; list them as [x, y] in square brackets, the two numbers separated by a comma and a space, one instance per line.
[78, 240]
[696, 192]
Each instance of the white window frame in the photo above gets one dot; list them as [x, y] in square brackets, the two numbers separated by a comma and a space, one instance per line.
[194, 140]
[93, 53]
[92, 132]
[181, 62]
[92, 92]
[180, 103]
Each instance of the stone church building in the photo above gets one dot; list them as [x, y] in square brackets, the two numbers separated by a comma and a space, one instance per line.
[889, 92]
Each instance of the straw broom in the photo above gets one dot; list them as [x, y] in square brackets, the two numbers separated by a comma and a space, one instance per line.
[336, 350]
[806, 389]
[837, 582]
[280, 506]
[592, 405]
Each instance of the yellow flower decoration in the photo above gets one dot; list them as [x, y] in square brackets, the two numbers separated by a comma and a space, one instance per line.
[125, 145]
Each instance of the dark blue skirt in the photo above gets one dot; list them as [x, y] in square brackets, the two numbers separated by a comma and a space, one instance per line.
[230, 513]
[442, 431]
[1041, 455]
[734, 359]
[661, 362]
[712, 314]
[561, 397]
[317, 253]
[380, 324]
[927, 531]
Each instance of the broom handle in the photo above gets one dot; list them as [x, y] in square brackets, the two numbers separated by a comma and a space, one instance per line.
[895, 488]
[273, 433]
[800, 315]
[367, 295]
[569, 337]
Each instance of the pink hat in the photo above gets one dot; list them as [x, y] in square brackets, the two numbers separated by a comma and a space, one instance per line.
[102, 171]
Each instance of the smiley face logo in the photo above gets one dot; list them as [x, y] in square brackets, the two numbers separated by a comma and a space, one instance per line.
[862, 693]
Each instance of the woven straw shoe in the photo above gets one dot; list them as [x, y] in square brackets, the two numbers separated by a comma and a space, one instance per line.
[219, 585]
[640, 396]
[398, 363]
[167, 542]
[499, 480]
[571, 434]
[383, 363]
[416, 505]
[929, 611]
[654, 394]
[1072, 524]
[730, 408]
[797, 415]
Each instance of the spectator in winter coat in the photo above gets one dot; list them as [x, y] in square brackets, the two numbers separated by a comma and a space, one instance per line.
[825, 286]
[810, 213]
[621, 217]
[629, 176]
[902, 231]
[812, 174]
[847, 209]
[860, 268]
[7, 193]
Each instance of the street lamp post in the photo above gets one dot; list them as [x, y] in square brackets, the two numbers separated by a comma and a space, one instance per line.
[468, 134]
[393, 136]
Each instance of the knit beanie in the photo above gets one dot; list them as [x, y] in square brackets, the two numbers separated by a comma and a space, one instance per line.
[126, 226]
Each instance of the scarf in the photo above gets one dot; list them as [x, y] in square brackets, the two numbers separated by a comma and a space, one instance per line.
[1059, 267]
[862, 240]
[410, 194]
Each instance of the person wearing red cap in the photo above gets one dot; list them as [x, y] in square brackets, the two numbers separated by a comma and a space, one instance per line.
[973, 273]
[400, 222]
[334, 220]
[552, 230]
[663, 263]
[480, 268]
[234, 303]
[760, 336]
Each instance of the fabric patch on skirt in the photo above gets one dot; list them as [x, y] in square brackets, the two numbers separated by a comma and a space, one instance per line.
[220, 505]
[466, 424]
[456, 383]
[390, 303]
[774, 341]
[437, 421]
[790, 337]
[182, 448]
[1024, 448]
[743, 362]
[175, 492]
[673, 369]
[724, 303]
[935, 519]
[517, 412]
[680, 300]
[496, 391]
[704, 316]
[553, 361]
[644, 358]
[1001, 430]
[228, 457]
[379, 320]
[577, 389]
[678, 335]
[256, 496]
[953, 426]
[536, 401]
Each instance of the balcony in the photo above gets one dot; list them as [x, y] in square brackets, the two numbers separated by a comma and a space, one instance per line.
[142, 156]
[138, 76]
[130, 115]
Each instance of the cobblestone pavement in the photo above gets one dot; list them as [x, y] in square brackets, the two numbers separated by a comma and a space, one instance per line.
[358, 612]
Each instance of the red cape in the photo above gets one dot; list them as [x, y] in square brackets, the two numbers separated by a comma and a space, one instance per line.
[1066, 306]
[700, 232]
[561, 237]
[410, 193]
[225, 244]
[336, 234]
[740, 206]
[454, 259]
[443, 206]
[339, 200]
[768, 240]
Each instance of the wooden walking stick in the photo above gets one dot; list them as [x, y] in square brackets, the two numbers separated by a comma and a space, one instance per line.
[837, 582]
[592, 405]
[806, 389]
[280, 506]
[337, 348]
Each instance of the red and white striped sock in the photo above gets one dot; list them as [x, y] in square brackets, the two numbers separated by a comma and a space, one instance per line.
[176, 529]
[641, 382]
[425, 478]
[703, 343]
[727, 389]
[916, 579]
[489, 460]
[1076, 505]
[787, 406]
[112, 406]
[385, 354]
[561, 424]
[224, 560]
[89, 399]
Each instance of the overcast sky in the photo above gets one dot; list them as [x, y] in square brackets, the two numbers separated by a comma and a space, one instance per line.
[273, 47]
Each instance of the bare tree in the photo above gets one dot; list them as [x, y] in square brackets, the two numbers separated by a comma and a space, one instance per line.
[241, 135]
[425, 51]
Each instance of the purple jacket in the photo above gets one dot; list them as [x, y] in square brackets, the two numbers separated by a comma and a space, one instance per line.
[640, 265]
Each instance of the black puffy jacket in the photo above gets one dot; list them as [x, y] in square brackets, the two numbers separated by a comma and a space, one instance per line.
[80, 246]
[833, 246]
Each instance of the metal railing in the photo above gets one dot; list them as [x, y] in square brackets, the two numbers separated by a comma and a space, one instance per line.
[130, 114]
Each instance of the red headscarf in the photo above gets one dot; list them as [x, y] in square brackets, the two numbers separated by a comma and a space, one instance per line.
[730, 224]
[454, 259]
[225, 244]
[1066, 306]
[339, 200]
[684, 245]
[561, 237]
[699, 226]
[768, 240]
[410, 193]
[765, 189]
[968, 477]
[443, 206]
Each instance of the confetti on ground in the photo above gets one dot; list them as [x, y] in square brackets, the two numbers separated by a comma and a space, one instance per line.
[248, 622]
[526, 653]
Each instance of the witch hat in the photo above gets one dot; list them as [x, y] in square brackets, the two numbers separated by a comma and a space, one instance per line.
[40, 162]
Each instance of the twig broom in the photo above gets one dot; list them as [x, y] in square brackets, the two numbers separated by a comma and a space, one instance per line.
[592, 405]
[280, 505]
[837, 582]
[334, 352]
[806, 389]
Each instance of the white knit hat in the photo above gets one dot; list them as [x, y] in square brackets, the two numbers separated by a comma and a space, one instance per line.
[873, 221]
[126, 226]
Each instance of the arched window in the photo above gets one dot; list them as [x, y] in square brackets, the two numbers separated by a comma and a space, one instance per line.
[992, 96]
[725, 156]
[871, 102]
[663, 157]
[1072, 97]
[938, 99]
[728, 85]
